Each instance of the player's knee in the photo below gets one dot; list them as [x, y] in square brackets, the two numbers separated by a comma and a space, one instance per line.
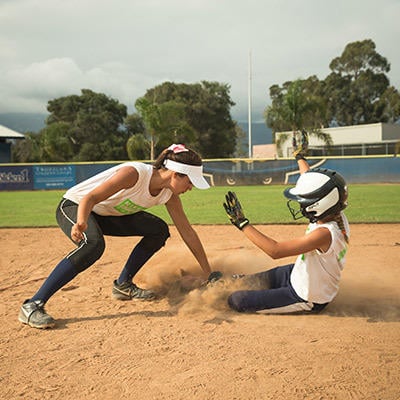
[98, 248]
[164, 233]
[88, 254]
[238, 301]
[157, 240]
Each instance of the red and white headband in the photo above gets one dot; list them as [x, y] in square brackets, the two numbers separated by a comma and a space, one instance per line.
[178, 148]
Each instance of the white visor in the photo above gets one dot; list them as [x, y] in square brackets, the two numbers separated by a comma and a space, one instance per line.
[194, 172]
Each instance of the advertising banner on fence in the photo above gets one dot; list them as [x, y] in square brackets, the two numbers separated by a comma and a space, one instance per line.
[54, 176]
[229, 172]
[16, 177]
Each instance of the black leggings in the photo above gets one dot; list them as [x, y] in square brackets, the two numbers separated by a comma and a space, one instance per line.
[154, 230]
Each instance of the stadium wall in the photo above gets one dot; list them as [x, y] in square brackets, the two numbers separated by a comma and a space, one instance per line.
[225, 172]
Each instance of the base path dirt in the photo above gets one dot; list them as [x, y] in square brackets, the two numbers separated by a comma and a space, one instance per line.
[191, 345]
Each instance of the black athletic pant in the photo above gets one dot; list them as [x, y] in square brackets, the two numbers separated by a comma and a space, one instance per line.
[154, 232]
[271, 292]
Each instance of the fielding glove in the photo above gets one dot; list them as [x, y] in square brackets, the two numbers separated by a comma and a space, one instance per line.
[300, 151]
[214, 276]
[234, 211]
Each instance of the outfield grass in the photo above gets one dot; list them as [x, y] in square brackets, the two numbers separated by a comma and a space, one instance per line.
[378, 203]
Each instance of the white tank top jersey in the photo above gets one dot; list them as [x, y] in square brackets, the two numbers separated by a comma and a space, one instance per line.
[126, 201]
[316, 275]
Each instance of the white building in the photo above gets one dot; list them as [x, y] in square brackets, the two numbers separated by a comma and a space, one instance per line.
[371, 139]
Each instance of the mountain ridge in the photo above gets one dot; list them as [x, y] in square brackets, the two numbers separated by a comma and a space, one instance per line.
[34, 122]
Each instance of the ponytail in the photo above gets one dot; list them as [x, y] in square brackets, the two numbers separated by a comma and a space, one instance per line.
[339, 220]
[178, 153]
[159, 162]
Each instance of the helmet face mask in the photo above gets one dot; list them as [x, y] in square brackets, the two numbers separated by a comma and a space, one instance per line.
[295, 209]
[319, 193]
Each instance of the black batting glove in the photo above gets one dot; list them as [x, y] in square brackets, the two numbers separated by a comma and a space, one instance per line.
[300, 151]
[234, 211]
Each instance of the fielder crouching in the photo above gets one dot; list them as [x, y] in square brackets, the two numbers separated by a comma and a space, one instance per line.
[113, 203]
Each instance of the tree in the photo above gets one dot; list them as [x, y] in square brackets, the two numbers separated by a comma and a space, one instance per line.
[93, 125]
[389, 105]
[210, 118]
[138, 147]
[297, 106]
[358, 90]
[241, 149]
[150, 113]
[134, 124]
[196, 114]
[165, 123]
[27, 150]
[359, 57]
[55, 143]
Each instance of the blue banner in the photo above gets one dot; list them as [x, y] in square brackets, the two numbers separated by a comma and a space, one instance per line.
[16, 177]
[86, 171]
[54, 176]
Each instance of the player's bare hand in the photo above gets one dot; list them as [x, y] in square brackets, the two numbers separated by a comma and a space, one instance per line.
[77, 231]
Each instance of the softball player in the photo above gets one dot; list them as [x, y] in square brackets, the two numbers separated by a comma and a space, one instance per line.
[313, 280]
[113, 203]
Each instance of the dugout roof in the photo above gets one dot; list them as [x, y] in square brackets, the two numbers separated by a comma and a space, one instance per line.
[7, 133]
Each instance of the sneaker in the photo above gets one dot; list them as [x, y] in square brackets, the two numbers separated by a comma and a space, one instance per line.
[129, 291]
[33, 314]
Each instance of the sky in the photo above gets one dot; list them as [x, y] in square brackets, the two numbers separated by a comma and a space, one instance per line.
[55, 48]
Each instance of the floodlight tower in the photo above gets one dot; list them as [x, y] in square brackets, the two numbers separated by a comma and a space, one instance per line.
[249, 104]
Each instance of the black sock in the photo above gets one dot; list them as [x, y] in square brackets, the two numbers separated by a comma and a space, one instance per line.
[136, 260]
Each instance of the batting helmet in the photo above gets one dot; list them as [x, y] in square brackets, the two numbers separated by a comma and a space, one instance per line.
[319, 192]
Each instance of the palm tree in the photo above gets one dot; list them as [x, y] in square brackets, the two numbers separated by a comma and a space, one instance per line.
[296, 110]
[165, 123]
[150, 113]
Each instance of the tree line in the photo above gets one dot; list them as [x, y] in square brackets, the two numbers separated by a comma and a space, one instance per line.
[94, 127]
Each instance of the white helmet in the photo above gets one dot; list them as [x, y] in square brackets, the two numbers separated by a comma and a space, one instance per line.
[319, 192]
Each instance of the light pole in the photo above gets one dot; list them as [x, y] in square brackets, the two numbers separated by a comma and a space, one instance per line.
[249, 105]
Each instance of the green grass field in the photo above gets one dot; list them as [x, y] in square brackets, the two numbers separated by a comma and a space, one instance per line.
[378, 203]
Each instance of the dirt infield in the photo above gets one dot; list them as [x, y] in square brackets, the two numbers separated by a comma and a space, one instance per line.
[192, 346]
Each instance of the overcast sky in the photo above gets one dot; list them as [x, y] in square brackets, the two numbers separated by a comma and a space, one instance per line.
[54, 48]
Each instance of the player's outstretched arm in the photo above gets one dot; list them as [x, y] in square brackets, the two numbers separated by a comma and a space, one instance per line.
[300, 151]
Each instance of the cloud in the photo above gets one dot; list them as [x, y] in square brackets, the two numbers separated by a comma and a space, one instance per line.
[34, 85]
[53, 48]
